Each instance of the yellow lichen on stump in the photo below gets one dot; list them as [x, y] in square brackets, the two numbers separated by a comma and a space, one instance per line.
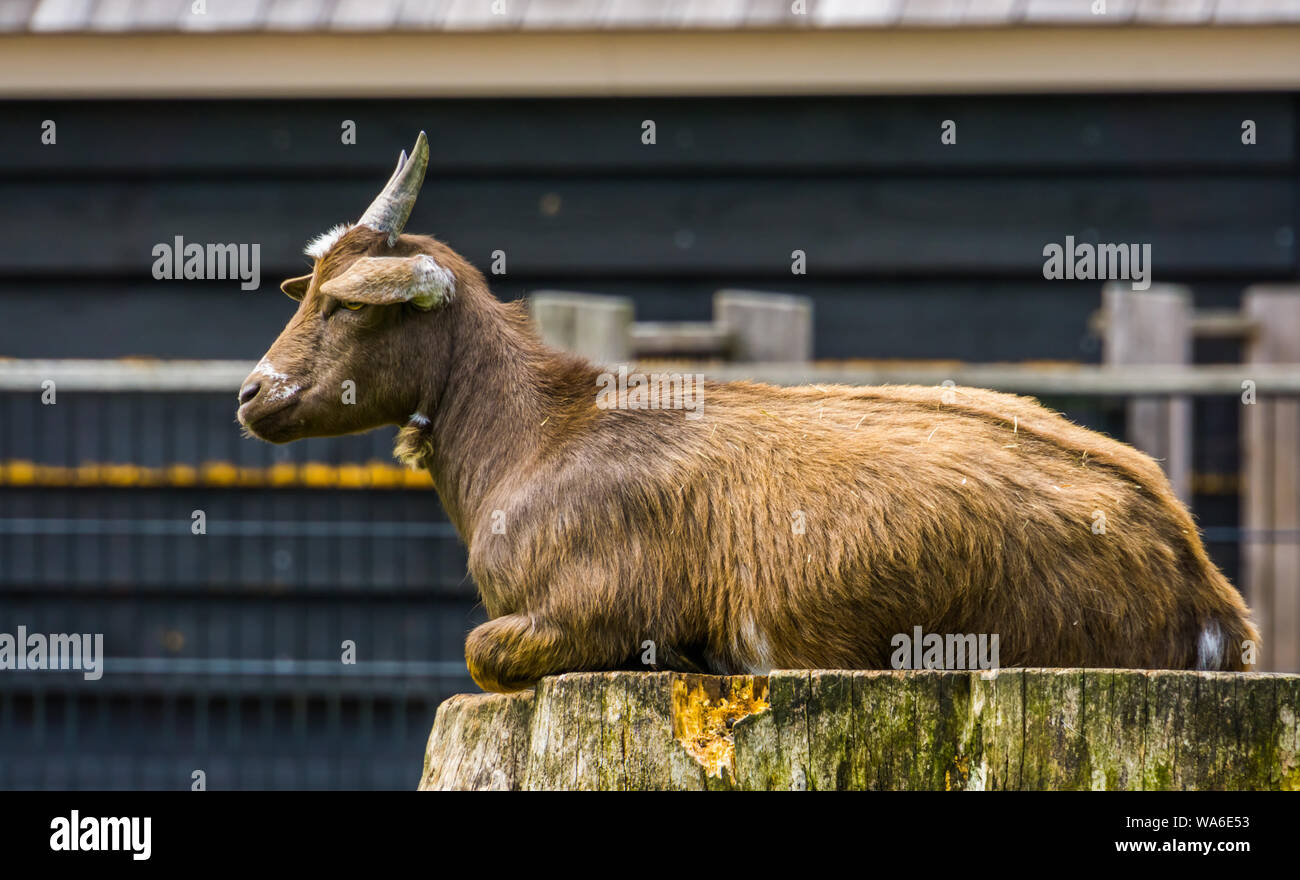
[704, 710]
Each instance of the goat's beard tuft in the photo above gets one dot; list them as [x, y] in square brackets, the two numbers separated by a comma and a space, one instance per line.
[414, 444]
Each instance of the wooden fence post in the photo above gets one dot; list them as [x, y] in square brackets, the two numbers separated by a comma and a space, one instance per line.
[597, 327]
[1154, 327]
[765, 327]
[1271, 484]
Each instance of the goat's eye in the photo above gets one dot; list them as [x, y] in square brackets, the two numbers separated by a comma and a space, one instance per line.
[353, 306]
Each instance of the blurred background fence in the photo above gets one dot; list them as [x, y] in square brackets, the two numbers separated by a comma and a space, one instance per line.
[924, 262]
[224, 646]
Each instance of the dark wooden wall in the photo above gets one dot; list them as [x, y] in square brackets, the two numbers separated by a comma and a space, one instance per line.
[914, 249]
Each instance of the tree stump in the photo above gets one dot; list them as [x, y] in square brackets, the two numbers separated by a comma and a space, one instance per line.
[888, 730]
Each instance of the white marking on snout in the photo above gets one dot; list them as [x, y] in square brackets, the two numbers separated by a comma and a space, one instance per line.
[266, 368]
[283, 392]
[279, 387]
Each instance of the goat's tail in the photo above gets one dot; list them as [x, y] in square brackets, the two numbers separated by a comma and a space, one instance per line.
[1227, 639]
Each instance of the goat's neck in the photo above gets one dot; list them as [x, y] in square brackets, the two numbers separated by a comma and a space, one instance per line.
[485, 416]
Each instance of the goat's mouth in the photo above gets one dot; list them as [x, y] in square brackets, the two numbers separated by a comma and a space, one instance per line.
[275, 425]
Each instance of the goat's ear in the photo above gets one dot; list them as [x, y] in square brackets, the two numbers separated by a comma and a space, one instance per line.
[296, 288]
[381, 281]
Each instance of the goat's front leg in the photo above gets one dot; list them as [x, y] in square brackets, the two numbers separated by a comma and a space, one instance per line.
[512, 652]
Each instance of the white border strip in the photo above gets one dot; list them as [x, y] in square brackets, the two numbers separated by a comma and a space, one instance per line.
[877, 61]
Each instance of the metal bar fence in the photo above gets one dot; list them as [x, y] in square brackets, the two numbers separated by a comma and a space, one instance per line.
[224, 643]
[224, 648]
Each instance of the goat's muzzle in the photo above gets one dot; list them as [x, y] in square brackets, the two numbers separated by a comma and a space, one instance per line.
[266, 401]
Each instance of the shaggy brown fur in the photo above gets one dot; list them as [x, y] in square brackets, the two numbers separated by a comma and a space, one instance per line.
[621, 526]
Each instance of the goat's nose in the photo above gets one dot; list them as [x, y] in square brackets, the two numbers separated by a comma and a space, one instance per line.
[249, 391]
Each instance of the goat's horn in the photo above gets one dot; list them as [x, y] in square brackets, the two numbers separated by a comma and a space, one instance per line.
[392, 207]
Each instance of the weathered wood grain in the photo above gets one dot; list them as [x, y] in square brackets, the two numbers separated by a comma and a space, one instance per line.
[1154, 327]
[885, 730]
[1271, 496]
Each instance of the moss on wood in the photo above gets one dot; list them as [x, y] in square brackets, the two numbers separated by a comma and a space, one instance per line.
[1008, 729]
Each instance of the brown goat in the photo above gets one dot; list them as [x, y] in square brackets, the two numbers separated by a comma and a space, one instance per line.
[594, 530]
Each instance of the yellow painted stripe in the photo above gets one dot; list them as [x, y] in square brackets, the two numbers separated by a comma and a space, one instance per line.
[311, 475]
[218, 474]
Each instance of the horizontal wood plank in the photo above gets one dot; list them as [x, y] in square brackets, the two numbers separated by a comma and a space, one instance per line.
[261, 138]
[867, 226]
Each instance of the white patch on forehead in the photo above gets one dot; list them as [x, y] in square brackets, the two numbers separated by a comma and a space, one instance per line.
[319, 246]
